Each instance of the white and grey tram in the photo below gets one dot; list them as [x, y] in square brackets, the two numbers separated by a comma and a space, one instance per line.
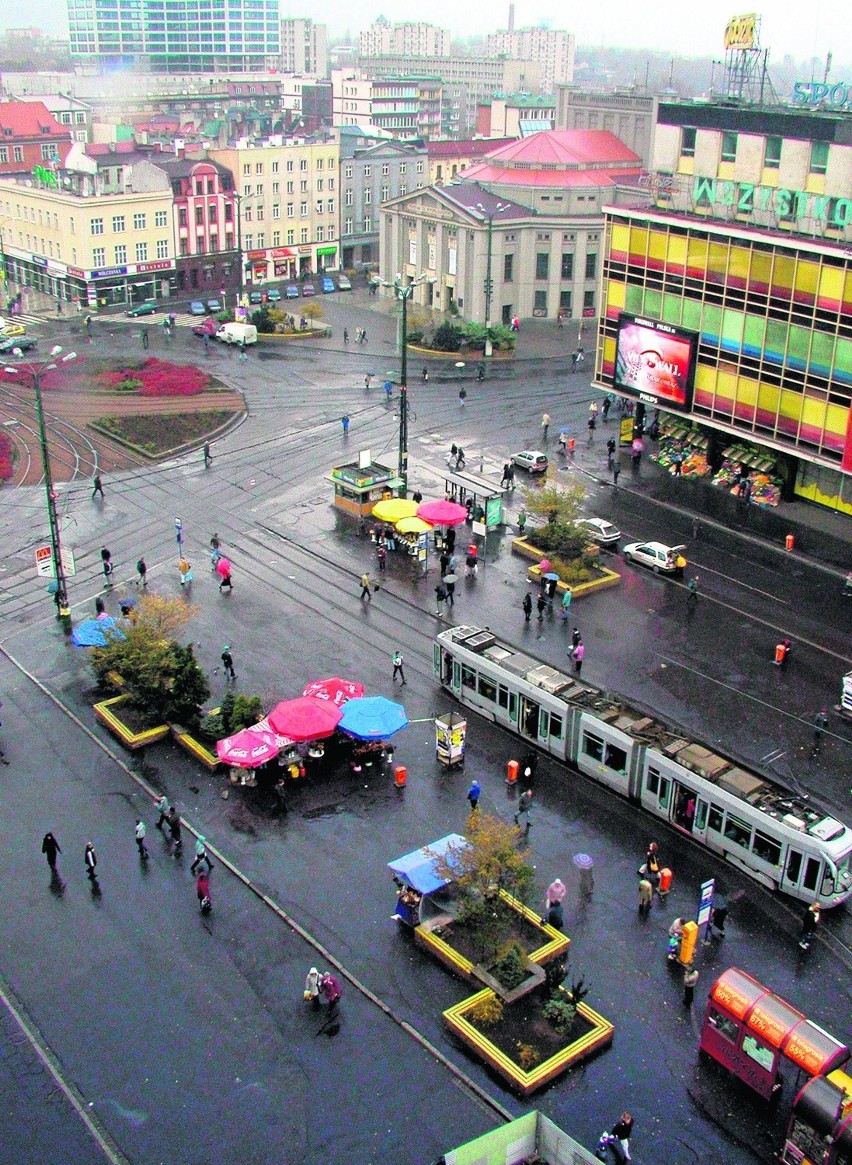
[776, 837]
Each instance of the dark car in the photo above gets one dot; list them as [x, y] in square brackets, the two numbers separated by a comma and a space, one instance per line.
[308, 289]
[197, 308]
[24, 343]
[255, 297]
[148, 308]
[214, 305]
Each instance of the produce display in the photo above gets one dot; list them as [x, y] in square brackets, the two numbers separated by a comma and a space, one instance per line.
[673, 450]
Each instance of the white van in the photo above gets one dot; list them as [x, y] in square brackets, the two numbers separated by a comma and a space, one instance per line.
[237, 334]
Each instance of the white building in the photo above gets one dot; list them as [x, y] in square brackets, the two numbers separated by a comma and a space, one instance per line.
[413, 39]
[304, 47]
[552, 47]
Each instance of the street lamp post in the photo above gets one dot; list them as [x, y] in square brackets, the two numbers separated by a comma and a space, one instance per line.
[238, 200]
[403, 290]
[489, 283]
[35, 370]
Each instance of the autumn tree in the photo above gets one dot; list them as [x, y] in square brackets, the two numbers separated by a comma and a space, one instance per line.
[560, 506]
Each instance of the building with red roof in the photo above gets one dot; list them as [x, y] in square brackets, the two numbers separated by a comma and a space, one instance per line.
[30, 136]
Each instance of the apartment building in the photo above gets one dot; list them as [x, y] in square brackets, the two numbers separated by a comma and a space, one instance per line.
[372, 172]
[415, 39]
[288, 197]
[552, 47]
[406, 106]
[30, 137]
[517, 116]
[304, 47]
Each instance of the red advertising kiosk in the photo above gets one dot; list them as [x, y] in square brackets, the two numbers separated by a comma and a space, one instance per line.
[820, 1127]
[749, 1030]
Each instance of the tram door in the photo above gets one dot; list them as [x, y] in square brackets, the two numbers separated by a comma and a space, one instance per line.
[528, 722]
[793, 871]
[684, 804]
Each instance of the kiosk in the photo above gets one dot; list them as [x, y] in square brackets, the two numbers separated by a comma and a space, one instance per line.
[820, 1127]
[450, 733]
[484, 496]
[418, 884]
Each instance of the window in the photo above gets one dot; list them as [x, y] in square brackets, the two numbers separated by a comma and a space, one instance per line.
[542, 265]
[319, 163]
[419, 167]
[303, 164]
[487, 689]
[588, 301]
[772, 153]
[261, 241]
[118, 223]
[687, 141]
[303, 209]
[18, 152]
[99, 256]
[385, 169]
[567, 271]
[766, 848]
[120, 253]
[303, 186]
[402, 167]
[508, 268]
[48, 153]
[368, 170]
[290, 187]
[540, 303]
[347, 171]
[347, 198]
[615, 758]
[199, 216]
[819, 157]
[140, 222]
[737, 831]
[565, 302]
[368, 197]
[276, 187]
[249, 242]
[591, 265]
[729, 147]
[320, 205]
[715, 819]
[368, 226]
[275, 166]
[385, 193]
[331, 184]
[4, 153]
[289, 166]
[303, 235]
[468, 677]
[329, 206]
[258, 167]
[348, 224]
[211, 212]
[259, 190]
[794, 865]
[759, 1052]
[97, 226]
[555, 729]
[276, 210]
[724, 1026]
[593, 746]
[259, 214]
[319, 185]
[141, 252]
[162, 248]
[161, 218]
[246, 167]
[291, 238]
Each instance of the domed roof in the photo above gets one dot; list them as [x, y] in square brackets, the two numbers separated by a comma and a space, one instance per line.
[566, 149]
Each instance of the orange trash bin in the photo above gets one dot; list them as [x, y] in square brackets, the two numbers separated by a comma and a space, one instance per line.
[512, 772]
[665, 882]
[401, 776]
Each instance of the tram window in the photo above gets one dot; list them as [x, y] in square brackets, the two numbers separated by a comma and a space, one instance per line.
[616, 758]
[766, 848]
[513, 706]
[716, 816]
[593, 746]
[811, 878]
[468, 677]
[737, 832]
[487, 689]
[724, 1026]
[653, 782]
[503, 696]
[700, 815]
[827, 882]
[794, 865]
[665, 789]
[456, 674]
[555, 725]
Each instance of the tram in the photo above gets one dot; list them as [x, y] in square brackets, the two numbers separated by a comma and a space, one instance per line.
[781, 840]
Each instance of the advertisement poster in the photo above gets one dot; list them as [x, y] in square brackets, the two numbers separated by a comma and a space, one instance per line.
[655, 362]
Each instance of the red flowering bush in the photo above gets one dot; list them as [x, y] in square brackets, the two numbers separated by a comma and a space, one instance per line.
[6, 462]
[158, 378]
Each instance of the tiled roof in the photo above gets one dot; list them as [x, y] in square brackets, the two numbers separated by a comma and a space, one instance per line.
[29, 119]
[471, 196]
[473, 148]
[569, 148]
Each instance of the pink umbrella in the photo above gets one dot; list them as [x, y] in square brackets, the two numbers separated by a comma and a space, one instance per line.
[545, 566]
[247, 749]
[305, 718]
[442, 513]
[336, 690]
[223, 567]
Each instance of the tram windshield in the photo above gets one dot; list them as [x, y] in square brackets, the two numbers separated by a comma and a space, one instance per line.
[843, 880]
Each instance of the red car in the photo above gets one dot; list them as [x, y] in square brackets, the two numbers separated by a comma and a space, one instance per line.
[208, 328]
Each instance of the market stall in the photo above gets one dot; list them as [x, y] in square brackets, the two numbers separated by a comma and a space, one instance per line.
[369, 722]
[682, 448]
[419, 886]
[750, 474]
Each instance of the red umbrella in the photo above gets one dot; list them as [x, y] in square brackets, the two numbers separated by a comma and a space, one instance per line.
[223, 567]
[442, 513]
[305, 718]
[336, 690]
[247, 749]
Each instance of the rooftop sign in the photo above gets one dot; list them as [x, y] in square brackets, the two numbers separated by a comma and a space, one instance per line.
[796, 205]
[815, 93]
[740, 30]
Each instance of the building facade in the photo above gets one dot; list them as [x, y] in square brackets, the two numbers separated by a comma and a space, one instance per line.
[406, 107]
[450, 158]
[31, 138]
[517, 116]
[372, 173]
[554, 48]
[288, 195]
[413, 39]
[176, 36]
[304, 47]
[631, 116]
[746, 250]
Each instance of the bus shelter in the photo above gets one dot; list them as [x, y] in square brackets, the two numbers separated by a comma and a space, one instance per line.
[486, 498]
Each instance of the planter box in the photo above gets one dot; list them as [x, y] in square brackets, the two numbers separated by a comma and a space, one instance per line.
[521, 1080]
[108, 712]
[195, 748]
[609, 578]
[553, 942]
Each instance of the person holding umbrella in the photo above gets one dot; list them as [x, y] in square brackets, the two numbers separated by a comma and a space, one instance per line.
[223, 569]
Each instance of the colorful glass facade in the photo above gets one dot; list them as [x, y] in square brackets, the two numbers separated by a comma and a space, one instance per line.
[774, 319]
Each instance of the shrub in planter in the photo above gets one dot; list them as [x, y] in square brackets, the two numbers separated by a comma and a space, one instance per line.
[527, 1056]
[448, 337]
[247, 710]
[263, 321]
[561, 1014]
[511, 970]
[488, 1011]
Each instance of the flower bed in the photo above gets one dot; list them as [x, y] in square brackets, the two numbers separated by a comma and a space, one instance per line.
[116, 715]
[198, 748]
[605, 576]
[157, 378]
[522, 1033]
[7, 458]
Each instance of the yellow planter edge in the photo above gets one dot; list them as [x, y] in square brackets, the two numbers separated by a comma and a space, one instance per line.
[104, 713]
[209, 759]
[429, 939]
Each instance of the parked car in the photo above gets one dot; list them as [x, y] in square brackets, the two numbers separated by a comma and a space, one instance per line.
[148, 308]
[273, 295]
[197, 308]
[600, 531]
[255, 297]
[530, 459]
[344, 283]
[9, 343]
[291, 291]
[10, 329]
[661, 558]
[214, 305]
[327, 285]
[209, 328]
[308, 289]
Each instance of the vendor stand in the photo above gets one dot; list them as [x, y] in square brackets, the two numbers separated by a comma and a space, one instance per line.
[450, 733]
[419, 885]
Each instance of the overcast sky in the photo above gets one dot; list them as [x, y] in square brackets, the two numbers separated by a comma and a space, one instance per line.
[802, 29]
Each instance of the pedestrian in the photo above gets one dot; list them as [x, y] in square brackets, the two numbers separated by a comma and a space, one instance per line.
[696, 529]
[575, 356]
[556, 891]
[358, 340]
[226, 581]
[331, 990]
[344, 420]
[208, 456]
[522, 522]
[524, 809]
[228, 664]
[566, 603]
[106, 566]
[388, 389]
[820, 721]
[363, 335]
[545, 424]
[97, 486]
[690, 978]
[651, 867]
[526, 607]
[50, 848]
[460, 458]
[368, 381]
[91, 860]
[451, 593]
[312, 988]
[504, 480]
[200, 855]
[809, 925]
[243, 355]
[440, 597]
[88, 327]
[473, 794]
[382, 556]
[646, 895]
[560, 319]
[215, 552]
[786, 648]
[163, 808]
[140, 839]
[366, 587]
[206, 344]
[550, 585]
[621, 1132]
[345, 335]
[575, 639]
[398, 661]
[424, 375]
[202, 890]
[174, 829]
[417, 497]
[719, 915]
[616, 470]
[692, 588]
[579, 656]
[462, 396]
[554, 916]
[146, 340]
[541, 605]
[610, 452]
[471, 561]
[511, 476]
[607, 405]
[185, 571]
[590, 425]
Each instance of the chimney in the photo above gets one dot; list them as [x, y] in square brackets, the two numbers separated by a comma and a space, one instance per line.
[511, 18]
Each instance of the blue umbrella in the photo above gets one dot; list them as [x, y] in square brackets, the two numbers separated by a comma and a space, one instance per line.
[552, 574]
[372, 718]
[95, 632]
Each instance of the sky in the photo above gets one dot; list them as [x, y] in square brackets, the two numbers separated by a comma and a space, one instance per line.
[792, 27]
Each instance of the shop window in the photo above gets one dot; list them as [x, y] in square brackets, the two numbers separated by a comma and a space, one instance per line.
[468, 677]
[737, 831]
[766, 848]
[724, 1026]
[716, 817]
[819, 157]
[593, 746]
[772, 153]
[687, 141]
[487, 689]
[729, 147]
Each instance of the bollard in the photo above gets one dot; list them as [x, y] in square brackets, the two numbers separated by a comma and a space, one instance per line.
[665, 883]
[789, 542]
[401, 776]
[780, 652]
[512, 767]
[687, 943]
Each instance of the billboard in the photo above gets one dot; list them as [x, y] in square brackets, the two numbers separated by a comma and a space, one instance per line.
[740, 32]
[655, 362]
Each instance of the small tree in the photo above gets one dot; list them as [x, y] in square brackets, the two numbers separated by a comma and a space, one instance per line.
[247, 710]
[560, 506]
[312, 310]
[263, 321]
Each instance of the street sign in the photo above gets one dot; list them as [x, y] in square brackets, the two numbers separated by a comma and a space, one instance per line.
[44, 562]
[705, 904]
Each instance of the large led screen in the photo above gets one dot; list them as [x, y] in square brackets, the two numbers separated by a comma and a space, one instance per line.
[655, 362]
